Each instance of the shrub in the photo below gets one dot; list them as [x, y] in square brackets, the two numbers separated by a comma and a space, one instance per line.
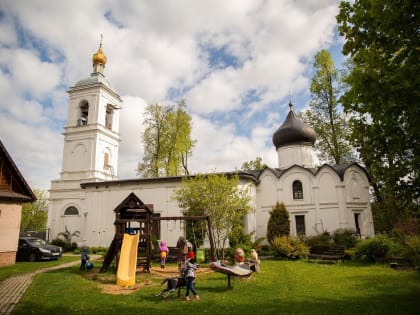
[238, 238]
[378, 248]
[289, 247]
[344, 237]
[321, 239]
[412, 250]
[278, 223]
[98, 250]
[58, 242]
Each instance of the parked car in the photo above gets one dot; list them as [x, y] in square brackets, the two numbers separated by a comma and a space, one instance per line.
[33, 248]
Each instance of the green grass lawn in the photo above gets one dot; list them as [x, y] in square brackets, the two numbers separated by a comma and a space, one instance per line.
[22, 267]
[282, 287]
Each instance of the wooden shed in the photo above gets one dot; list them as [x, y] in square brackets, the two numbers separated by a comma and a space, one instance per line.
[14, 191]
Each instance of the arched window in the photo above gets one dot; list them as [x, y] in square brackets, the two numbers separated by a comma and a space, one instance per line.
[71, 211]
[84, 114]
[297, 190]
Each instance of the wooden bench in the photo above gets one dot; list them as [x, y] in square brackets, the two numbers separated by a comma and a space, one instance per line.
[327, 252]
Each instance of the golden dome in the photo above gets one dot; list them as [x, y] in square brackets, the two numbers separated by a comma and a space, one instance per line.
[99, 57]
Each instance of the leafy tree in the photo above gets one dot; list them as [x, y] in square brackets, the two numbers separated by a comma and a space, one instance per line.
[68, 236]
[324, 116]
[34, 214]
[167, 141]
[278, 223]
[220, 197]
[382, 42]
[256, 164]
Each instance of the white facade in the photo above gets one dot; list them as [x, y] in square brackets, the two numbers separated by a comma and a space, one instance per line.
[83, 199]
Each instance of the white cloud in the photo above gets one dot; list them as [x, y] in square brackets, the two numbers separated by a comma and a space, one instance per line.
[131, 130]
[36, 150]
[159, 52]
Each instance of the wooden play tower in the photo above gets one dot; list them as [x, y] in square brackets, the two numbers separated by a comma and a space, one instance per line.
[133, 216]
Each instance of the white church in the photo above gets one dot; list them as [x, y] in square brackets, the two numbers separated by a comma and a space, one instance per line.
[83, 199]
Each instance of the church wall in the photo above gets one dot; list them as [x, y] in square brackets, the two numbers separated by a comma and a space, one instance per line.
[266, 198]
[250, 220]
[325, 204]
[101, 203]
[96, 216]
[357, 200]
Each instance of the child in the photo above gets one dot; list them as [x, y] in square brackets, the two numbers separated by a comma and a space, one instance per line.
[255, 260]
[84, 257]
[182, 246]
[189, 272]
[163, 252]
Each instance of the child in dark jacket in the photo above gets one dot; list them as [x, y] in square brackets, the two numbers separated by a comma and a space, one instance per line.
[84, 257]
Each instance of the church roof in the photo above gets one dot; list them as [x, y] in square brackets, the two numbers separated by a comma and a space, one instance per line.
[94, 78]
[340, 170]
[293, 131]
[246, 175]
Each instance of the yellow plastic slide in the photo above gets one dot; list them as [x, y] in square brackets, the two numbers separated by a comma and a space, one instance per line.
[126, 274]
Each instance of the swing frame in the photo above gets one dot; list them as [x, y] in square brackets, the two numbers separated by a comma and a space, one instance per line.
[194, 218]
[132, 209]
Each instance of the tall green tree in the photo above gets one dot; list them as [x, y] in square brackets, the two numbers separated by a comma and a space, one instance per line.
[167, 141]
[382, 42]
[220, 197]
[34, 214]
[278, 224]
[325, 115]
[253, 165]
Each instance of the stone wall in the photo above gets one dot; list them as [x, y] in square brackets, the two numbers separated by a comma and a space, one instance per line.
[7, 258]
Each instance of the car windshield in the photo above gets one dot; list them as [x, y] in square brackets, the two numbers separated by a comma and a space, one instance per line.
[37, 241]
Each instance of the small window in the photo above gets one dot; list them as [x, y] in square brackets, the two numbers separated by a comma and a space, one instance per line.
[297, 190]
[357, 222]
[300, 225]
[84, 114]
[71, 211]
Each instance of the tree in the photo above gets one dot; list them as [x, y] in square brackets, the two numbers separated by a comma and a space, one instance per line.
[68, 236]
[34, 214]
[324, 116]
[220, 197]
[278, 223]
[382, 42]
[167, 141]
[254, 165]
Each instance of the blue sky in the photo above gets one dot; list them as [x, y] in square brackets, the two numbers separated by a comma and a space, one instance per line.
[236, 63]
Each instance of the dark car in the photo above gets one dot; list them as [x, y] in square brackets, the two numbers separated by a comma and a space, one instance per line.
[33, 248]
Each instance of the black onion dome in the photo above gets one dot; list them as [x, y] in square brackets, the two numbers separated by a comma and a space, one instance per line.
[293, 131]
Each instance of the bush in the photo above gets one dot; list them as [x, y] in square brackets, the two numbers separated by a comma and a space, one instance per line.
[98, 250]
[412, 250]
[58, 242]
[378, 248]
[289, 247]
[321, 239]
[67, 247]
[345, 237]
[238, 238]
[278, 223]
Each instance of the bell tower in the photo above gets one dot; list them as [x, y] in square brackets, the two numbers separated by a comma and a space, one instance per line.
[91, 137]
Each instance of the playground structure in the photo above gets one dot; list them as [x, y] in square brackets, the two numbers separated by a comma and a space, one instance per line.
[133, 217]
